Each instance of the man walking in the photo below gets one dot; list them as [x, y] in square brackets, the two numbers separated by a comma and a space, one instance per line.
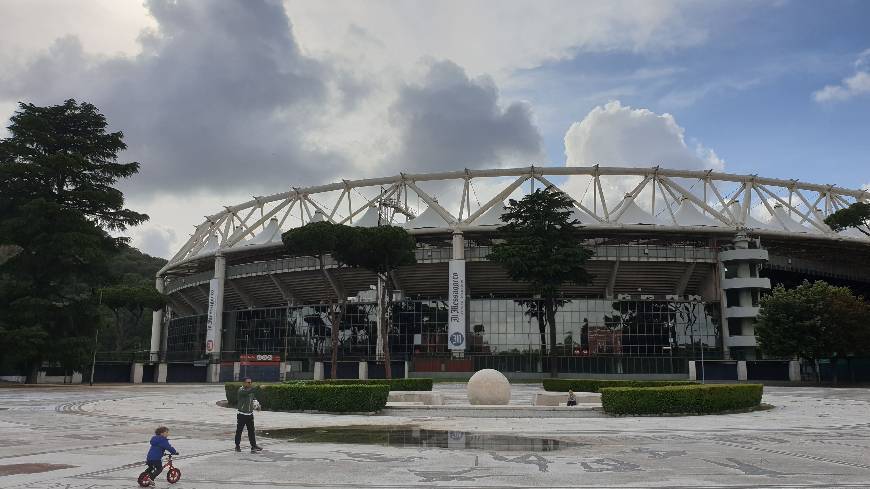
[245, 416]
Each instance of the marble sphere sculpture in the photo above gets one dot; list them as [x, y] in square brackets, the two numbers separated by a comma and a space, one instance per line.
[488, 387]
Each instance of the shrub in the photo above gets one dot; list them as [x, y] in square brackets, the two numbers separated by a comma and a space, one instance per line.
[593, 385]
[681, 399]
[323, 397]
[395, 384]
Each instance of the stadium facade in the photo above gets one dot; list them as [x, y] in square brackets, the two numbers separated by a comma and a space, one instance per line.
[680, 261]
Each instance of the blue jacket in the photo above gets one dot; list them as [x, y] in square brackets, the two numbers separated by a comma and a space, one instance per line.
[159, 444]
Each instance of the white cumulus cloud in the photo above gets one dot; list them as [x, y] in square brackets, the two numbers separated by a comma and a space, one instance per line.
[617, 135]
[853, 86]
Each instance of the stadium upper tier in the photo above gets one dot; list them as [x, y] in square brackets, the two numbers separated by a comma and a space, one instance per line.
[607, 199]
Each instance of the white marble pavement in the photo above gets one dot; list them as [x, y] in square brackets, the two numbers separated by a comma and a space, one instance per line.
[814, 437]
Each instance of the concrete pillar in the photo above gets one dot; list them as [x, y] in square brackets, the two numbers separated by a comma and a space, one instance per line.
[794, 371]
[741, 370]
[156, 325]
[693, 373]
[363, 370]
[136, 373]
[282, 371]
[458, 246]
[161, 372]
[407, 369]
[213, 372]
[216, 316]
[318, 370]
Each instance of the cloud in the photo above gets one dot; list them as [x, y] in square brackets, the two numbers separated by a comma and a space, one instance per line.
[451, 122]
[220, 96]
[493, 36]
[853, 86]
[617, 135]
[155, 240]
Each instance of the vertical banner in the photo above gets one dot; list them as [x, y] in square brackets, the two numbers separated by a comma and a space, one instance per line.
[456, 306]
[213, 290]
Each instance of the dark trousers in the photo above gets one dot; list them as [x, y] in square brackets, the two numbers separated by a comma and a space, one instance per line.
[155, 467]
[245, 421]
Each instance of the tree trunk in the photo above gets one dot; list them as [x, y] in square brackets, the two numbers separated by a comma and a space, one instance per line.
[386, 307]
[818, 371]
[33, 372]
[551, 318]
[542, 325]
[336, 318]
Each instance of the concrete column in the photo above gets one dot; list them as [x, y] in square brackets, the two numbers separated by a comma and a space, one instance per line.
[237, 371]
[741, 370]
[161, 372]
[794, 371]
[458, 246]
[136, 373]
[216, 316]
[363, 370]
[282, 371]
[693, 373]
[156, 325]
[407, 369]
[318, 370]
[213, 372]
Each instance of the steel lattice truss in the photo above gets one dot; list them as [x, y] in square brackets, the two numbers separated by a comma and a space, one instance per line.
[605, 197]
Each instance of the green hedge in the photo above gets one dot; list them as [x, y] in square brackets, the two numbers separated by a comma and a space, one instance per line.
[395, 384]
[323, 397]
[594, 385]
[681, 399]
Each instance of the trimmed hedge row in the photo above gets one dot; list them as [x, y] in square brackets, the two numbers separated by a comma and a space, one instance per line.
[315, 397]
[681, 399]
[395, 384]
[594, 385]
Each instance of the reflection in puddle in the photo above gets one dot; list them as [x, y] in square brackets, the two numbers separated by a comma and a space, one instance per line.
[401, 436]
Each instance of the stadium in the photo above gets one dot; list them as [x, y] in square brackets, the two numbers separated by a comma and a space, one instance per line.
[680, 260]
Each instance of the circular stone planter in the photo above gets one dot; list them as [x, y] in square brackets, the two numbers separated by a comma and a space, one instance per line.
[488, 387]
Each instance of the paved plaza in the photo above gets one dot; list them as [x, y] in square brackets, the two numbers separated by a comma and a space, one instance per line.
[96, 437]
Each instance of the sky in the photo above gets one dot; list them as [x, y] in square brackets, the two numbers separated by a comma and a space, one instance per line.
[227, 99]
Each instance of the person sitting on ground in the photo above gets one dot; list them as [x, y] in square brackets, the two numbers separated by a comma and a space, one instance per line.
[572, 399]
[159, 444]
[245, 417]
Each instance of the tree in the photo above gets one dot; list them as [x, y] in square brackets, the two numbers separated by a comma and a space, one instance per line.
[812, 321]
[542, 246]
[57, 202]
[319, 239]
[128, 304]
[382, 250]
[855, 216]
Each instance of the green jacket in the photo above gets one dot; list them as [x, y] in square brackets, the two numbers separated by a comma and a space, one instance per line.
[246, 400]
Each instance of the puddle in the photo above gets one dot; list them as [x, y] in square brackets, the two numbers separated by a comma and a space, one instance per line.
[404, 437]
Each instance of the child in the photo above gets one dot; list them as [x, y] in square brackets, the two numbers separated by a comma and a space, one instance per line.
[572, 399]
[159, 444]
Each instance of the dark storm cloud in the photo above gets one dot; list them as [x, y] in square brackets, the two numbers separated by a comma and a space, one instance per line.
[219, 98]
[452, 122]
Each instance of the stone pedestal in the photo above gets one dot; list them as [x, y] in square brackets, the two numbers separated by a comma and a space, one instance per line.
[161, 373]
[318, 370]
[693, 372]
[363, 370]
[488, 387]
[794, 371]
[136, 371]
[741, 370]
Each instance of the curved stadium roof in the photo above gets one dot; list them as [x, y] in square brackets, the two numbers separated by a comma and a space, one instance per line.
[678, 200]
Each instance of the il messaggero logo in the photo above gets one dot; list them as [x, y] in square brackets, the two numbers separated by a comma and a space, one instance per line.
[457, 339]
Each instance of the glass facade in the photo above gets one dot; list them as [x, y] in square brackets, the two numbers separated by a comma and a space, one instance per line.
[592, 335]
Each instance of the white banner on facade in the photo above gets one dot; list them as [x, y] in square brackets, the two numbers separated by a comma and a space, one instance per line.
[213, 290]
[456, 306]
